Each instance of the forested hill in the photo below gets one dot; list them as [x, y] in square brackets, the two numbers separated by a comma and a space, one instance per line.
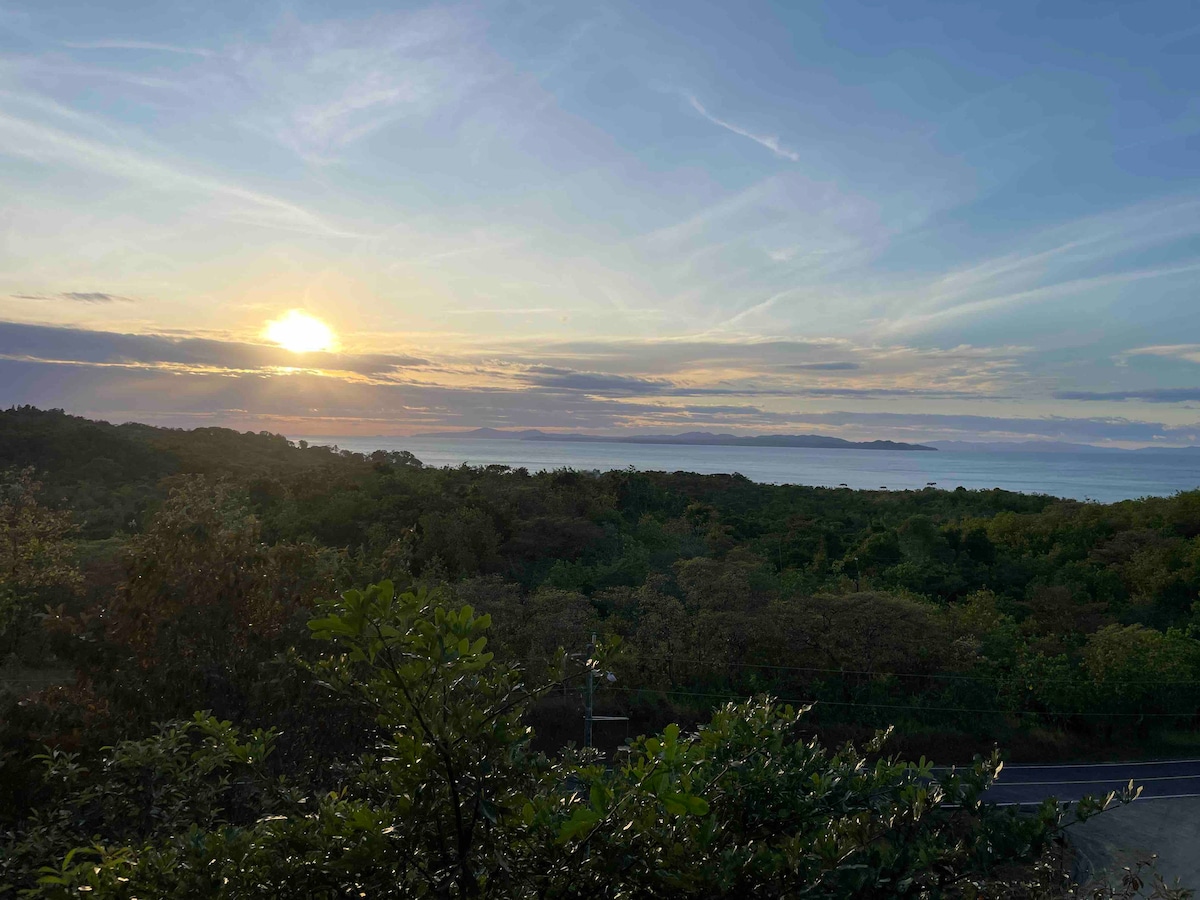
[109, 474]
[72, 449]
[940, 600]
[147, 574]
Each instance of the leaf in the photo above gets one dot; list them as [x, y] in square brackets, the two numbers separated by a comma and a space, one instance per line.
[674, 806]
[581, 820]
[597, 796]
[490, 811]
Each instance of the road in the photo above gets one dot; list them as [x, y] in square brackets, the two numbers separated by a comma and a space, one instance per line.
[1165, 820]
[1159, 780]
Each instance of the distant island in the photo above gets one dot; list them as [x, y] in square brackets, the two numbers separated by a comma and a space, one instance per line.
[690, 438]
[1046, 447]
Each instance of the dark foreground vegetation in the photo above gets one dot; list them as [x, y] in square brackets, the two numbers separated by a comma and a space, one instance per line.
[377, 746]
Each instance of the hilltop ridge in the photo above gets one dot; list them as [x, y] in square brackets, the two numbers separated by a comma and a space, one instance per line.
[692, 438]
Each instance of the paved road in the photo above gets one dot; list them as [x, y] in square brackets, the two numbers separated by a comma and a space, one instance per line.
[1164, 821]
[1158, 780]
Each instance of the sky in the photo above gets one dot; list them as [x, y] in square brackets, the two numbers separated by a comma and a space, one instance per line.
[907, 221]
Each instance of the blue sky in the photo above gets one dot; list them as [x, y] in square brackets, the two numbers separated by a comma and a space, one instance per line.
[876, 220]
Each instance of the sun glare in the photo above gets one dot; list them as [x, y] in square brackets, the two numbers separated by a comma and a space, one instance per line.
[299, 332]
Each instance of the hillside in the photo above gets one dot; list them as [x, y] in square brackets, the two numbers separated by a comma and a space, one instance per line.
[152, 573]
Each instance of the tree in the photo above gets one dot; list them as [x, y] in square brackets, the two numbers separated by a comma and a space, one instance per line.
[452, 804]
[455, 742]
[1135, 669]
[872, 631]
[205, 603]
[201, 580]
[35, 553]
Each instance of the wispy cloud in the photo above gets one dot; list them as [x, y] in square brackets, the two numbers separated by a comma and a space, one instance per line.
[82, 347]
[1152, 395]
[304, 402]
[1087, 254]
[98, 372]
[841, 366]
[44, 143]
[78, 297]
[320, 87]
[771, 142]
[762, 306]
[1066, 288]
[136, 45]
[511, 311]
[1187, 352]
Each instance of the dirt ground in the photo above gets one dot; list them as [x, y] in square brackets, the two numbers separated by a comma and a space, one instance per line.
[1168, 827]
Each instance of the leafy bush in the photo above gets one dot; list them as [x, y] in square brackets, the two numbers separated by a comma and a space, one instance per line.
[451, 802]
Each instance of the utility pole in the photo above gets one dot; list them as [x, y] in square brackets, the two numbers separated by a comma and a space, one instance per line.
[589, 695]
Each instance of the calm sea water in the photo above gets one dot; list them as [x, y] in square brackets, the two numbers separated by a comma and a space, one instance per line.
[1104, 477]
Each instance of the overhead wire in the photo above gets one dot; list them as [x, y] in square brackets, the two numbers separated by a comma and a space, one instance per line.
[940, 676]
[816, 702]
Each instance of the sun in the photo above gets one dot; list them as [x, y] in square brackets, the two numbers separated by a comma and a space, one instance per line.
[299, 332]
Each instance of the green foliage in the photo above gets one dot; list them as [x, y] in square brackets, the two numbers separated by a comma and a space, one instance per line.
[35, 555]
[455, 745]
[749, 806]
[451, 803]
[137, 791]
[1136, 669]
[965, 617]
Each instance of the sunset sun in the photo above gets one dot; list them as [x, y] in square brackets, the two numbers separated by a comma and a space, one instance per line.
[299, 332]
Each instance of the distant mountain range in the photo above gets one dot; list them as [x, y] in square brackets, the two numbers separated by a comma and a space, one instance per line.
[1044, 447]
[690, 438]
[818, 441]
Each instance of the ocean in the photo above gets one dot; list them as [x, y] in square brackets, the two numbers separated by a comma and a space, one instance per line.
[1105, 477]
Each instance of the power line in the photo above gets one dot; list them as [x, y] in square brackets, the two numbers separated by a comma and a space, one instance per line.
[713, 667]
[947, 676]
[932, 709]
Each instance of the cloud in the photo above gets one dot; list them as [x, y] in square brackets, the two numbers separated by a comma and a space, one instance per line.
[1186, 352]
[763, 305]
[825, 366]
[1059, 289]
[785, 367]
[136, 45]
[611, 385]
[771, 142]
[312, 403]
[184, 378]
[667, 371]
[1151, 395]
[893, 393]
[1082, 256]
[319, 87]
[620, 386]
[94, 297]
[514, 311]
[300, 402]
[102, 348]
[597, 383]
[665, 356]
[45, 144]
[78, 297]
